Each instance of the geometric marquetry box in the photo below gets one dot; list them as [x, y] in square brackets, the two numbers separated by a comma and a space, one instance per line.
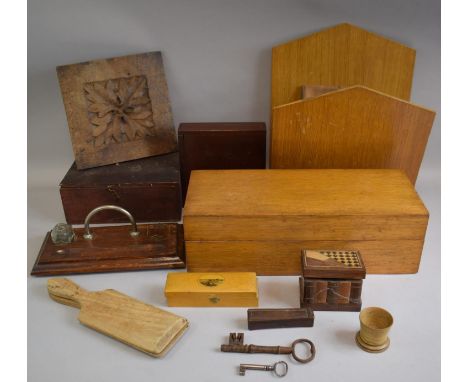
[118, 109]
[332, 280]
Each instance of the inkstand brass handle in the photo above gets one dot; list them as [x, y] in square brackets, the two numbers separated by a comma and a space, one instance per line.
[87, 233]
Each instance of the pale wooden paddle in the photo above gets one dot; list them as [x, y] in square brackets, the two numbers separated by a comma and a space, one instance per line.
[142, 326]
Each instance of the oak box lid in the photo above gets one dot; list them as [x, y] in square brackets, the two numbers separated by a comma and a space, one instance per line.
[284, 205]
[301, 193]
[221, 282]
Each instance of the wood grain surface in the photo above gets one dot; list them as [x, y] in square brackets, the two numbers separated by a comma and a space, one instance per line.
[331, 295]
[223, 289]
[112, 249]
[117, 109]
[355, 127]
[260, 220]
[312, 91]
[149, 188]
[222, 145]
[274, 257]
[303, 205]
[303, 192]
[142, 326]
[279, 318]
[343, 55]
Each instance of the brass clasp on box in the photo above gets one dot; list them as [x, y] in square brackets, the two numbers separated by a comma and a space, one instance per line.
[211, 280]
[87, 233]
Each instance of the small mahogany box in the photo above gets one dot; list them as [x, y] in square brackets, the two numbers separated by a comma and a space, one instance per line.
[331, 280]
[148, 188]
[213, 146]
[227, 289]
[260, 220]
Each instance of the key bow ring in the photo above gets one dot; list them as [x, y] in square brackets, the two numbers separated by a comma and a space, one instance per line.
[311, 349]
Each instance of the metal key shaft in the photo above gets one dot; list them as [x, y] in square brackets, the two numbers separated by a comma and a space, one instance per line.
[274, 368]
[236, 345]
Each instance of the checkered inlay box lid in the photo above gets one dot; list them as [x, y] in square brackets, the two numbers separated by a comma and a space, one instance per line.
[332, 264]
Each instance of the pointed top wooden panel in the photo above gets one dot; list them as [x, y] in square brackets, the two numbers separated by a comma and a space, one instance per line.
[355, 127]
[343, 55]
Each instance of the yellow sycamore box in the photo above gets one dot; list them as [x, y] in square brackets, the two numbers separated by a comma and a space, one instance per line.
[224, 289]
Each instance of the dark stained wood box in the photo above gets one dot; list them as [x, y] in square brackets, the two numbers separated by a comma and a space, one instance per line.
[220, 146]
[148, 188]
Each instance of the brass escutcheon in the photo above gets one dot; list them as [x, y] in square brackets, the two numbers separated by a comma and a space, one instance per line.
[214, 299]
[211, 280]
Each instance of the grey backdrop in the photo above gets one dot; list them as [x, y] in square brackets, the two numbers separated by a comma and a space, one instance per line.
[217, 59]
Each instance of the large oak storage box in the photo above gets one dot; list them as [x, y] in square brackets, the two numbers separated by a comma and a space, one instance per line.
[260, 220]
[148, 188]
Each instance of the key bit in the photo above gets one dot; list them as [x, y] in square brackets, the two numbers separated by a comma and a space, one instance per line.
[236, 338]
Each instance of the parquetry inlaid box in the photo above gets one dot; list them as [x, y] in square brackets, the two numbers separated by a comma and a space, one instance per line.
[260, 220]
[332, 280]
[227, 289]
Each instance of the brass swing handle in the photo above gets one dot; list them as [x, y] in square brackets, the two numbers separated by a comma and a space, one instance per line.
[87, 233]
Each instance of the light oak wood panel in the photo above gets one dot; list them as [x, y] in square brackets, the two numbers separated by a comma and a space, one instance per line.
[142, 326]
[284, 257]
[353, 127]
[342, 55]
[370, 227]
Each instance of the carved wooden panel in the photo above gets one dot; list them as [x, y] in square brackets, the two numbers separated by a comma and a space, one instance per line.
[343, 55]
[351, 128]
[117, 109]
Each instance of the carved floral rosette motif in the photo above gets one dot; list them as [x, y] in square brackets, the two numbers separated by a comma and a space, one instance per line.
[119, 110]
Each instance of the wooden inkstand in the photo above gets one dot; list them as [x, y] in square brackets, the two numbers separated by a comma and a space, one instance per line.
[68, 250]
[331, 280]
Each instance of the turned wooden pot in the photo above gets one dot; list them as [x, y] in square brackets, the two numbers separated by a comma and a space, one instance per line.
[375, 325]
